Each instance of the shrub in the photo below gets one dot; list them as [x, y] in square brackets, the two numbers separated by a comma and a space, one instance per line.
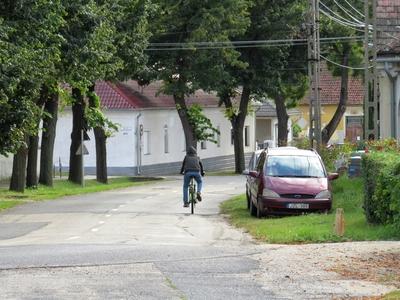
[381, 174]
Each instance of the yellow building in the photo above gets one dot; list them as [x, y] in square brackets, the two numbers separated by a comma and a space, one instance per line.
[351, 126]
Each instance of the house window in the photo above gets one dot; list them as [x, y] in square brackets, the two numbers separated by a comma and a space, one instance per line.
[247, 136]
[146, 142]
[166, 150]
[203, 145]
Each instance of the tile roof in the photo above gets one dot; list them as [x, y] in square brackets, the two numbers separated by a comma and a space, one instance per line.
[149, 96]
[268, 109]
[388, 26]
[111, 97]
[330, 89]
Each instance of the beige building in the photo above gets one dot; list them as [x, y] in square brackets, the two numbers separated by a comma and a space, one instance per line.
[351, 126]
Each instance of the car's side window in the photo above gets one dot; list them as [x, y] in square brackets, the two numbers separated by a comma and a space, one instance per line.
[251, 163]
[261, 161]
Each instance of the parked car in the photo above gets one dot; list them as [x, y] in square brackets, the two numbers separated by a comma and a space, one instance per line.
[249, 179]
[287, 180]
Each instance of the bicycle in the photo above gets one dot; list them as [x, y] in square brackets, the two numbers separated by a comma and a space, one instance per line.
[192, 194]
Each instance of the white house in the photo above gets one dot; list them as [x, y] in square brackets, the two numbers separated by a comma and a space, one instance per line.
[388, 64]
[267, 124]
[151, 140]
[5, 166]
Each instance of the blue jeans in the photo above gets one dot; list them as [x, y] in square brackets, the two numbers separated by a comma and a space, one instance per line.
[186, 181]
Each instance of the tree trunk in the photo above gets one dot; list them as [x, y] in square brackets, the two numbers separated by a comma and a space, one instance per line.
[283, 118]
[75, 161]
[329, 129]
[237, 122]
[48, 137]
[31, 170]
[101, 148]
[17, 182]
[187, 128]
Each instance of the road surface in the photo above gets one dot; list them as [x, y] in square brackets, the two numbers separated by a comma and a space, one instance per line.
[140, 243]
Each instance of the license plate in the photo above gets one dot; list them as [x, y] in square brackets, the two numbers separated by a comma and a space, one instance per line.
[298, 205]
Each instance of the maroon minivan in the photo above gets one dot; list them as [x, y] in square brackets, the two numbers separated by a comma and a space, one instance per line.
[288, 180]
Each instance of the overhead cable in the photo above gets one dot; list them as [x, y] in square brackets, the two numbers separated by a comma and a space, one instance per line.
[343, 66]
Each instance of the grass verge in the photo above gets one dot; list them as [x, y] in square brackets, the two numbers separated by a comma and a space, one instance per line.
[395, 295]
[63, 188]
[313, 228]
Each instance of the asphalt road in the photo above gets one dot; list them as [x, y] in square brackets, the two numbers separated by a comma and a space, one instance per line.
[140, 243]
[136, 243]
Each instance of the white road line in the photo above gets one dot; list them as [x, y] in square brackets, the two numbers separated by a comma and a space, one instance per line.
[95, 229]
[73, 238]
[101, 222]
[114, 209]
[107, 216]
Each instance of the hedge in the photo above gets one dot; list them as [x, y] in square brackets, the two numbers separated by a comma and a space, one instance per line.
[381, 173]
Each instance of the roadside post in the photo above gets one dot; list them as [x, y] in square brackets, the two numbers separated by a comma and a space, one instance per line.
[82, 151]
[339, 222]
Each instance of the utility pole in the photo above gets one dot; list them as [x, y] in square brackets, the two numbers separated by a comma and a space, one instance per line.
[371, 85]
[314, 75]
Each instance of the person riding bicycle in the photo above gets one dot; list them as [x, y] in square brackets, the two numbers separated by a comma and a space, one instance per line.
[191, 167]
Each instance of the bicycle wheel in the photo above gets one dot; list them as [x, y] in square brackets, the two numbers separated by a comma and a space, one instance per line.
[192, 192]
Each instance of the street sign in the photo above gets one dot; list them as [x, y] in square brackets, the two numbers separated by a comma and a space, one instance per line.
[82, 150]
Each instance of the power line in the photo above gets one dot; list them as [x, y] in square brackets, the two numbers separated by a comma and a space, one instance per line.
[339, 16]
[355, 9]
[347, 12]
[343, 66]
[243, 44]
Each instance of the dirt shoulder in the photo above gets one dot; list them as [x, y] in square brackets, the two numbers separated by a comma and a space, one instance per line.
[356, 270]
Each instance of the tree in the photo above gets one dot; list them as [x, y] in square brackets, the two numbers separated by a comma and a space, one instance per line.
[344, 53]
[185, 68]
[29, 47]
[88, 55]
[262, 71]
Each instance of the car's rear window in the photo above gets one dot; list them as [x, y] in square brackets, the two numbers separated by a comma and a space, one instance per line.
[294, 166]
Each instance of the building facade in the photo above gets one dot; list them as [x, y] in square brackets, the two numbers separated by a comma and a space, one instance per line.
[150, 140]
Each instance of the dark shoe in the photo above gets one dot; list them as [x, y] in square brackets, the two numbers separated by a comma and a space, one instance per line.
[186, 204]
[199, 197]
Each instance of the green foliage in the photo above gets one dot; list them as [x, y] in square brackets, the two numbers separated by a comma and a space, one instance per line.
[96, 118]
[296, 130]
[202, 126]
[29, 49]
[382, 187]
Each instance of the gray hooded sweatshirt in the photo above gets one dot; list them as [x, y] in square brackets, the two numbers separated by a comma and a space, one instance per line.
[192, 162]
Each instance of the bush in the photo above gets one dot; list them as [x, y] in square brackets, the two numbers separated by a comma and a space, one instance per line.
[381, 174]
[329, 154]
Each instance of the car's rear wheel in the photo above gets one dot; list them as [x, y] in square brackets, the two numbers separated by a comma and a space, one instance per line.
[248, 199]
[260, 213]
[253, 209]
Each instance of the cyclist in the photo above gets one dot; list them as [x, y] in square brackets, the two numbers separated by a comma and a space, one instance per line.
[191, 167]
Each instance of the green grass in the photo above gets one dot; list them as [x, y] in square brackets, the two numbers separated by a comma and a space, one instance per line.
[63, 188]
[313, 228]
[222, 173]
[395, 295]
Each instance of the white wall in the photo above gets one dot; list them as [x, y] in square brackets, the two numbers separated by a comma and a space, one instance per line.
[122, 147]
[155, 121]
[385, 106]
[6, 166]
